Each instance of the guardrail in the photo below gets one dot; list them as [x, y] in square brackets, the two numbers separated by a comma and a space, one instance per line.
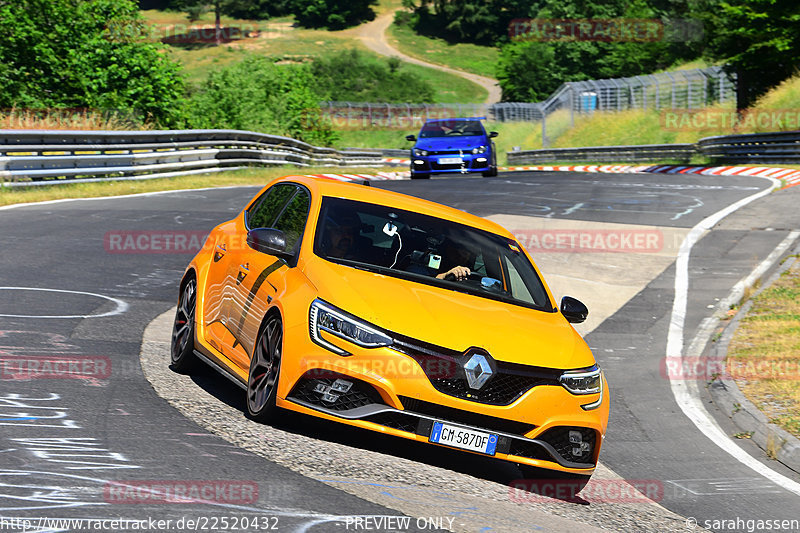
[601, 154]
[774, 148]
[778, 147]
[42, 157]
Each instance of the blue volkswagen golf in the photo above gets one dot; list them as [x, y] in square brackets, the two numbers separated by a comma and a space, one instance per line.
[458, 145]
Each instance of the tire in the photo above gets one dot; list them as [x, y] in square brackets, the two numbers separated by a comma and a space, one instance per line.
[492, 172]
[265, 367]
[418, 176]
[573, 483]
[182, 356]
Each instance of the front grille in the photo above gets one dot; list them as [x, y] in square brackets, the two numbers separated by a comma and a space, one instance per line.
[531, 450]
[467, 418]
[558, 438]
[438, 166]
[445, 370]
[502, 389]
[359, 395]
[395, 420]
[446, 152]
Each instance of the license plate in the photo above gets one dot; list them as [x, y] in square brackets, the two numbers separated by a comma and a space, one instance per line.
[450, 160]
[466, 439]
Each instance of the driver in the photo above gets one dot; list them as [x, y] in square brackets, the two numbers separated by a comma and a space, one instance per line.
[455, 261]
[341, 234]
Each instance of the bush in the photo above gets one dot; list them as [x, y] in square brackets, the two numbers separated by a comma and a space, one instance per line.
[257, 95]
[352, 76]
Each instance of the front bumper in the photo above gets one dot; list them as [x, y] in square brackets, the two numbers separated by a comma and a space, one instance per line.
[389, 392]
[469, 163]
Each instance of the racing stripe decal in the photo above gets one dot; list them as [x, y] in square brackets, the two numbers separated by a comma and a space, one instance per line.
[256, 287]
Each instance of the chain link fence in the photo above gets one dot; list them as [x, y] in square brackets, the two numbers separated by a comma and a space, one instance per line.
[680, 89]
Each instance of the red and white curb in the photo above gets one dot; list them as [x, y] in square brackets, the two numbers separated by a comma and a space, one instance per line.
[789, 176]
[395, 162]
[380, 176]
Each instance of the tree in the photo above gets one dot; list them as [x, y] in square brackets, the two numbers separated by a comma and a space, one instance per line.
[62, 53]
[530, 70]
[332, 14]
[757, 40]
[244, 9]
[474, 21]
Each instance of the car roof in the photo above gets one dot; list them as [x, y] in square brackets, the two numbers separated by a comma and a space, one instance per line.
[320, 186]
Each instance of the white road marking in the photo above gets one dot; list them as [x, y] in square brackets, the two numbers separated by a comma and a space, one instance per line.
[120, 308]
[685, 391]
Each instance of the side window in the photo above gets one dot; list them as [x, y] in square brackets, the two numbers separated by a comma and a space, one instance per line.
[266, 209]
[292, 220]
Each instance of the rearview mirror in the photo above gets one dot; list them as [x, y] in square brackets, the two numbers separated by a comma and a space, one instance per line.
[573, 310]
[493, 134]
[411, 138]
[269, 241]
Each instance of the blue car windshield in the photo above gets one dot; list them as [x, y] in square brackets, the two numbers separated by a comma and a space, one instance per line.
[422, 248]
[451, 128]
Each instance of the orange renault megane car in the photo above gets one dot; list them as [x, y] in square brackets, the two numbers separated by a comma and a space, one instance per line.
[397, 315]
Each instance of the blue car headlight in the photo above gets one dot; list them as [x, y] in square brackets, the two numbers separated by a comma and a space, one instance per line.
[479, 150]
[325, 317]
[418, 152]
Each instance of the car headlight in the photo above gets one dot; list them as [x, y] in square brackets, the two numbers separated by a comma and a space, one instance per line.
[479, 150]
[420, 153]
[585, 381]
[325, 317]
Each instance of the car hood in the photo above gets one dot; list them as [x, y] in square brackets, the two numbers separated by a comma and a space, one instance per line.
[452, 319]
[451, 143]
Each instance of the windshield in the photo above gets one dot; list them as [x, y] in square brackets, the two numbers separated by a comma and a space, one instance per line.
[451, 128]
[425, 249]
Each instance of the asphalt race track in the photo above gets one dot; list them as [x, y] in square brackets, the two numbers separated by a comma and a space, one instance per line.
[97, 441]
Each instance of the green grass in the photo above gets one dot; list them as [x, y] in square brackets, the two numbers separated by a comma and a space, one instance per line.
[461, 56]
[250, 176]
[278, 38]
[764, 354]
[449, 87]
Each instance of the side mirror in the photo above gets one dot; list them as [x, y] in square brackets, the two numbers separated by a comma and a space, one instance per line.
[573, 310]
[411, 138]
[269, 241]
[493, 134]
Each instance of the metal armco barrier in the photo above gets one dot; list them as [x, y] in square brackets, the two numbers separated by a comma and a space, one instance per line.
[778, 147]
[41, 157]
[601, 154]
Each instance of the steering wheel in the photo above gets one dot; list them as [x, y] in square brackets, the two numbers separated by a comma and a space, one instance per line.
[473, 276]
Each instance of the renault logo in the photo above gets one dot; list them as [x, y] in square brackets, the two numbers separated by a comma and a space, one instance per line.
[478, 370]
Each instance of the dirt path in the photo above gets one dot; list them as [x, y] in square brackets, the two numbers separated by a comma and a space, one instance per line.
[373, 35]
